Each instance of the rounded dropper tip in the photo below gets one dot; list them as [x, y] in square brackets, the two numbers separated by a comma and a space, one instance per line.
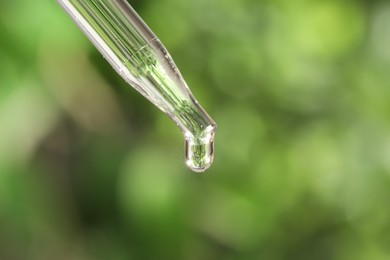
[200, 150]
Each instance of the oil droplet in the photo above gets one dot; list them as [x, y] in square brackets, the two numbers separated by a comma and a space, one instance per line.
[200, 150]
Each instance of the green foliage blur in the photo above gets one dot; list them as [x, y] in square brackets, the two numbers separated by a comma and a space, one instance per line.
[300, 91]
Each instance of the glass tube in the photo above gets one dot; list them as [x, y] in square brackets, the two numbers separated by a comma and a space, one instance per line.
[139, 57]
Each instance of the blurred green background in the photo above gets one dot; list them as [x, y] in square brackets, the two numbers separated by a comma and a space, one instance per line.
[300, 90]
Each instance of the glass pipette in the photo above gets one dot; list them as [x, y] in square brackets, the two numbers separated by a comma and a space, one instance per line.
[139, 57]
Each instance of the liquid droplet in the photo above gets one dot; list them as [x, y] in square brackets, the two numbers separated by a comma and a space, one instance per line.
[200, 151]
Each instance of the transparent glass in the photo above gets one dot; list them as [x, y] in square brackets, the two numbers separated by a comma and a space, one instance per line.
[139, 57]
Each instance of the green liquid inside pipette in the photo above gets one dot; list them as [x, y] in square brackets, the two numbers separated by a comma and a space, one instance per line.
[140, 58]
